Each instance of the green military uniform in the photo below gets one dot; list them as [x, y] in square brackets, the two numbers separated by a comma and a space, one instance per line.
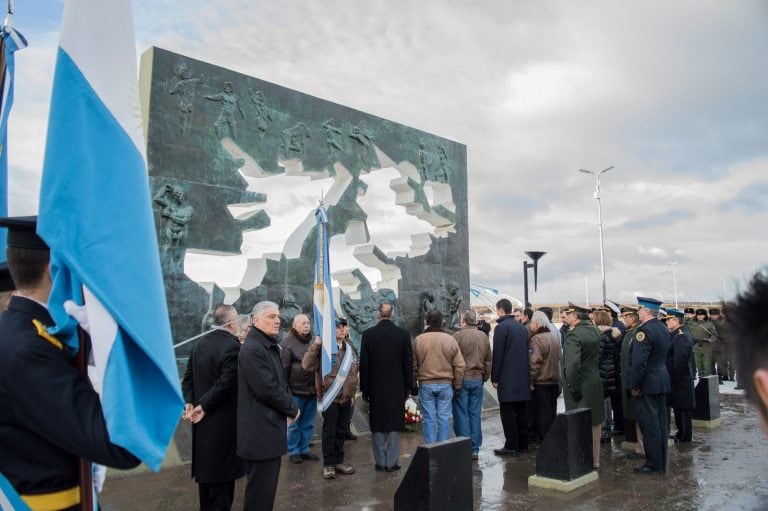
[583, 387]
[719, 348]
[704, 335]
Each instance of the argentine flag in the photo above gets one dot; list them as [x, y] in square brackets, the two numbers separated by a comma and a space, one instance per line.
[10, 42]
[325, 317]
[96, 215]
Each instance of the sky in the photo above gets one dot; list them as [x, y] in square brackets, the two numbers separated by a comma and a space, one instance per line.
[671, 94]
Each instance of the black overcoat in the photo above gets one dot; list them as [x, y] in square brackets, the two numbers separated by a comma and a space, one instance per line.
[509, 369]
[386, 374]
[211, 382]
[263, 399]
[49, 413]
[681, 395]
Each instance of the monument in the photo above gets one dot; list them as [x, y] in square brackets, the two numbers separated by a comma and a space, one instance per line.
[218, 142]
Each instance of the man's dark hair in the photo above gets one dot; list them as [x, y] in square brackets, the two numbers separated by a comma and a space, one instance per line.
[224, 314]
[747, 331]
[548, 311]
[27, 266]
[504, 305]
[385, 311]
[435, 319]
[528, 312]
[583, 316]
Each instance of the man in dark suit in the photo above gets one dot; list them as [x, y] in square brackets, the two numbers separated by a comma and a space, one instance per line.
[509, 375]
[386, 378]
[49, 413]
[264, 408]
[649, 384]
[680, 367]
[210, 392]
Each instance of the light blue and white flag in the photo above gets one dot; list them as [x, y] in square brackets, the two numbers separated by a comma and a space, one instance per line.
[9, 499]
[10, 42]
[325, 316]
[96, 215]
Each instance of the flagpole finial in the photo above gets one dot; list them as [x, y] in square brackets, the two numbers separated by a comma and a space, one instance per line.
[9, 15]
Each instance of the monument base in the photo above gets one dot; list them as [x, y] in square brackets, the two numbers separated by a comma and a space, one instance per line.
[714, 423]
[563, 486]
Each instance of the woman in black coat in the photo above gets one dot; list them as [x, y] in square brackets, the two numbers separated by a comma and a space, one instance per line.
[610, 340]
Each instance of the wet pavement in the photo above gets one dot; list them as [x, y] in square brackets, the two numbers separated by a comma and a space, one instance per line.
[721, 469]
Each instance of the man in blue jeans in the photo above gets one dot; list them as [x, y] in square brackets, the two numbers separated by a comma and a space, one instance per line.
[438, 368]
[467, 406]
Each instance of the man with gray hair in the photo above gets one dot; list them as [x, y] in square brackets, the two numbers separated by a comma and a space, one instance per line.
[265, 408]
[468, 405]
[210, 393]
[302, 384]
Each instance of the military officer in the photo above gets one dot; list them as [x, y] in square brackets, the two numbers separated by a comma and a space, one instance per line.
[681, 370]
[49, 414]
[649, 384]
[690, 315]
[720, 346]
[703, 334]
[631, 321]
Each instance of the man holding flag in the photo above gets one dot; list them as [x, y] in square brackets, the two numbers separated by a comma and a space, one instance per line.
[49, 413]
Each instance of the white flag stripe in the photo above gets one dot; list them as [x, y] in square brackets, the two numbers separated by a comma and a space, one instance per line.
[117, 89]
[103, 333]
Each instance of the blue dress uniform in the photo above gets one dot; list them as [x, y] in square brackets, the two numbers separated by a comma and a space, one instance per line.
[649, 383]
[49, 413]
[681, 397]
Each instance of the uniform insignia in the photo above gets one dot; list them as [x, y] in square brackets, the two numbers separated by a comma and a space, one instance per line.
[640, 337]
[42, 331]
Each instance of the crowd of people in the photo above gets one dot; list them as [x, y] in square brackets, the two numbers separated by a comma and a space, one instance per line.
[252, 399]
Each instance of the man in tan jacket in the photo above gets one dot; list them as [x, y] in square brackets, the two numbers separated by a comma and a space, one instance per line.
[467, 406]
[438, 367]
[543, 372]
[337, 415]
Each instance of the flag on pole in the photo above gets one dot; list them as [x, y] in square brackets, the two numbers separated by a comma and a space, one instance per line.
[325, 317]
[96, 216]
[10, 42]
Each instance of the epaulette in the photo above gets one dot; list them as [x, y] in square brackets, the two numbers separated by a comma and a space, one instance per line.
[42, 331]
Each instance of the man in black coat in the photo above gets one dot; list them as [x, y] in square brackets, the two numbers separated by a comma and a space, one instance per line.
[264, 408]
[509, 375]
[680, 367]
[649, 384]
[49, 413]
[210, 392]
[386, 378]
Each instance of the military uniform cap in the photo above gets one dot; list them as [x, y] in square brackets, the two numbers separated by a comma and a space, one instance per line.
[700, 312]
[689, 310]
[629, 309]
[662, 313]
[714, 310]
[649, 303]
[572, 307]
[6, 282]
[22, 232]
[675, 313]
[341, 322]
[613, 306]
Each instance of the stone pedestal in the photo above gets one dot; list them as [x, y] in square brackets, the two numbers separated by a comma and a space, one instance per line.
[439, 478]
[564, 460]
[707, 411]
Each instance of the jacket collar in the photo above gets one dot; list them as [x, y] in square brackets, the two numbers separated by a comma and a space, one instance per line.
[262, 338]
[505, 318]
[30, 308]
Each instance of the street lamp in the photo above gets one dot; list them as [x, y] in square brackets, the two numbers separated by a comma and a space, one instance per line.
[674, 278]
[596, 196]
[535, 256]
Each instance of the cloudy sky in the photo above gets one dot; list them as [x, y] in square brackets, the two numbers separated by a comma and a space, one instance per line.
[672, 94]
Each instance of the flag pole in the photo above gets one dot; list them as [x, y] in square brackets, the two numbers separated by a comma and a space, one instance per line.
[84, 465]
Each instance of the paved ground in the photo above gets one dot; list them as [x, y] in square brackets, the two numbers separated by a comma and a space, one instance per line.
[722, 469]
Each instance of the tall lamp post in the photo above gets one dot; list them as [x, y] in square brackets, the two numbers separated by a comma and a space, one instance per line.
[535, 256]
[674, 278]
[596, 196]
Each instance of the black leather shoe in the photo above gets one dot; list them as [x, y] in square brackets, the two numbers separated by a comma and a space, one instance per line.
[635, 456]
[379, 468]
[506, 452]
[644, 470]
[295, 458]
[393, 468]
[309, 456]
